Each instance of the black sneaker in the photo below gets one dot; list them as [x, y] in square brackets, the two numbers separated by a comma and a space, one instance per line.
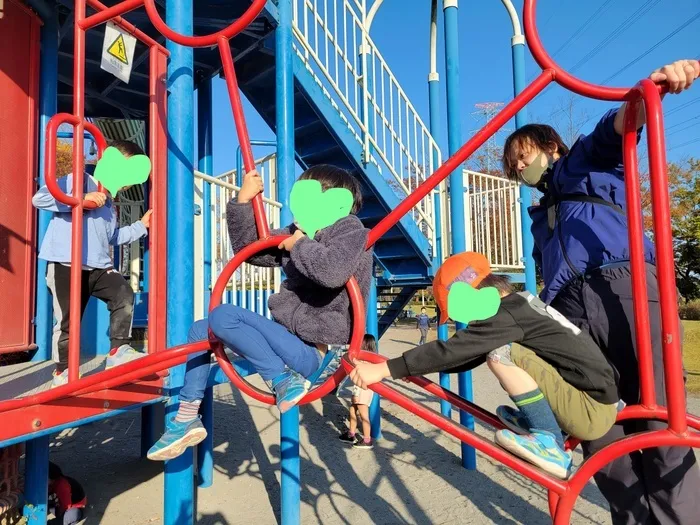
[361, 443]
[345, 437]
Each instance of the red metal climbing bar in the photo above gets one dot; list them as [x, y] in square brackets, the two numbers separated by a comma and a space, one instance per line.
[454, 162]
[242, 130]
[206, 40]
[637, 263]
[105, 14]
[666, 275]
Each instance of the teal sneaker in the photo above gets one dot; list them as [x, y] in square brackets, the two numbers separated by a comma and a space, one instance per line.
[178, 436]
[539, 448]
[289, 388]
[513, 419]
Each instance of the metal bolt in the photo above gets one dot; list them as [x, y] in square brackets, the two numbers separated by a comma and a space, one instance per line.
[106, 404]
[36, 423]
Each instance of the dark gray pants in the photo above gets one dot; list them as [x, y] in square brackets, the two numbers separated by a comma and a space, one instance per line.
[654, 486]
[107, 285]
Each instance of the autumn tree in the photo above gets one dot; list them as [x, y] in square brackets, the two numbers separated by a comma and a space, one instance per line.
[684, 195]
[64, 158]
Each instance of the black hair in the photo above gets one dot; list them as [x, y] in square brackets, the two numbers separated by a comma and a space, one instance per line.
[334, 177]
[127, 148]
[541, 136]
[499, 282]
[369, 343]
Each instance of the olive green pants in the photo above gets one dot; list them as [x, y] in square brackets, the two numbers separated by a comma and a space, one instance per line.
[577, 413]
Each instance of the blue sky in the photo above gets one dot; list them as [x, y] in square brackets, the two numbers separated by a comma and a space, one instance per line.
[485, 62]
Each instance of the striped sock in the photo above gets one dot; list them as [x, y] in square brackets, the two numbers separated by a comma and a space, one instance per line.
[188, 411]
[536, 409]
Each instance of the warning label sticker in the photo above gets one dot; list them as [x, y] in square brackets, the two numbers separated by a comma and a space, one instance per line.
[118, 52]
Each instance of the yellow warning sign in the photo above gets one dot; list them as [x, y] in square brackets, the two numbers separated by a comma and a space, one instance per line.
[118, 50]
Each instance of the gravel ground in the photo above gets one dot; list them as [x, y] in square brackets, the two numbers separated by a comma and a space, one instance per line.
[413, 475]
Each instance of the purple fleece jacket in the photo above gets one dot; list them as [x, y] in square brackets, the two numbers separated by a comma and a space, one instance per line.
[312, 302]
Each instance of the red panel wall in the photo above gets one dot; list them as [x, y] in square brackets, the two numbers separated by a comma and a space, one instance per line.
[19, 83]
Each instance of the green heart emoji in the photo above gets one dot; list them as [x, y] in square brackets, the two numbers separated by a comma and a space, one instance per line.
[466, 304]
[315, 209]
[115, 171]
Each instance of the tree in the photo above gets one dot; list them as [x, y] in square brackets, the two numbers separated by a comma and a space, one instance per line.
[684, 194]
[569, 119]
[64, 158]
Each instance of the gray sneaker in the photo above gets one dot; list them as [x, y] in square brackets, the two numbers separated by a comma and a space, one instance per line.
[124, 354]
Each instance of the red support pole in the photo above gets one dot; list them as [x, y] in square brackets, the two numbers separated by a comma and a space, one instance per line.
[666, 275]
[637, 263]
[158, 148]
[242, 131]
[78, 174]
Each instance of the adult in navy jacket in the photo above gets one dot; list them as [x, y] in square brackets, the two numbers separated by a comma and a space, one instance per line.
[582, 250]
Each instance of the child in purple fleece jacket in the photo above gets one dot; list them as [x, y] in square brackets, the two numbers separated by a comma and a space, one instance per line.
[311, 311]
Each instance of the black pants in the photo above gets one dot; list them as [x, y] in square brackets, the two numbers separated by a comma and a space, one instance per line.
[652, 486]
[107, 285]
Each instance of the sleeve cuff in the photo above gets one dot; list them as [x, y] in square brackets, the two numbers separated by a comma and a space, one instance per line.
[398, 368]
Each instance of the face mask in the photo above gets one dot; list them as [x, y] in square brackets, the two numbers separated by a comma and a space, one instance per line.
[532, 175]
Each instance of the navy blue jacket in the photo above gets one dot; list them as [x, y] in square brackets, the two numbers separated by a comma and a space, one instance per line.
[572, 236]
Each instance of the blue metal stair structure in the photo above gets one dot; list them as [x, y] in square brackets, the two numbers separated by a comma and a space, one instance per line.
[322, 137]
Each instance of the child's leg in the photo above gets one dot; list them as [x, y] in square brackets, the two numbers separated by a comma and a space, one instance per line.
[110, 286]
[525, 393]
[576, 412]
[268, 345]
[58, 282]
[366, 425]
[353, 419]
[196, 376]
[186, 430]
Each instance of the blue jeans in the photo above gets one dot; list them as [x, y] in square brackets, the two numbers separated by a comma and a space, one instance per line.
[267, 345]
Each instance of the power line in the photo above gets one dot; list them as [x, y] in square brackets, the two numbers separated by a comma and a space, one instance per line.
[692, 141]
[683, 129]
[598, 12]
[664, 39]
[615, 33]
[684, 122]
[683, 106]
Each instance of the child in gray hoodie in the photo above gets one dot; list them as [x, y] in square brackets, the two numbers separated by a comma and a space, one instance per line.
[311, 311]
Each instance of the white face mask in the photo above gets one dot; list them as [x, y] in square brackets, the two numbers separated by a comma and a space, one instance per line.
[532, 175]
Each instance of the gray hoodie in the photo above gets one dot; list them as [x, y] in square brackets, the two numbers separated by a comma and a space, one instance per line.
[312, 302]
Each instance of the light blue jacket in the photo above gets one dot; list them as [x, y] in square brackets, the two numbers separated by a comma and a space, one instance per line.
[99, 228]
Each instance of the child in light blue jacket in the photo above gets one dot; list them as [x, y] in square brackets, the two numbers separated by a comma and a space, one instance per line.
[99, 277]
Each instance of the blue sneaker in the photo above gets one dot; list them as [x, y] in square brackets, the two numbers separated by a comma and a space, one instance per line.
[289, 388]
[513, 419]
[539, 448]
[178, 436]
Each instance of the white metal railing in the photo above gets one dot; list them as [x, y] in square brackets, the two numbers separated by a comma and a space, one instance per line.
[250, 286]
[332, 40]
[492, 219]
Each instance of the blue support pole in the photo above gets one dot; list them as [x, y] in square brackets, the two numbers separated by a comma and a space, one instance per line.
[205, 450]
[179, 475]
[36, 481]
[290, 486]
[518, 49]
[457, 222]
[48, 103]
[372, 327]
[434, 104]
